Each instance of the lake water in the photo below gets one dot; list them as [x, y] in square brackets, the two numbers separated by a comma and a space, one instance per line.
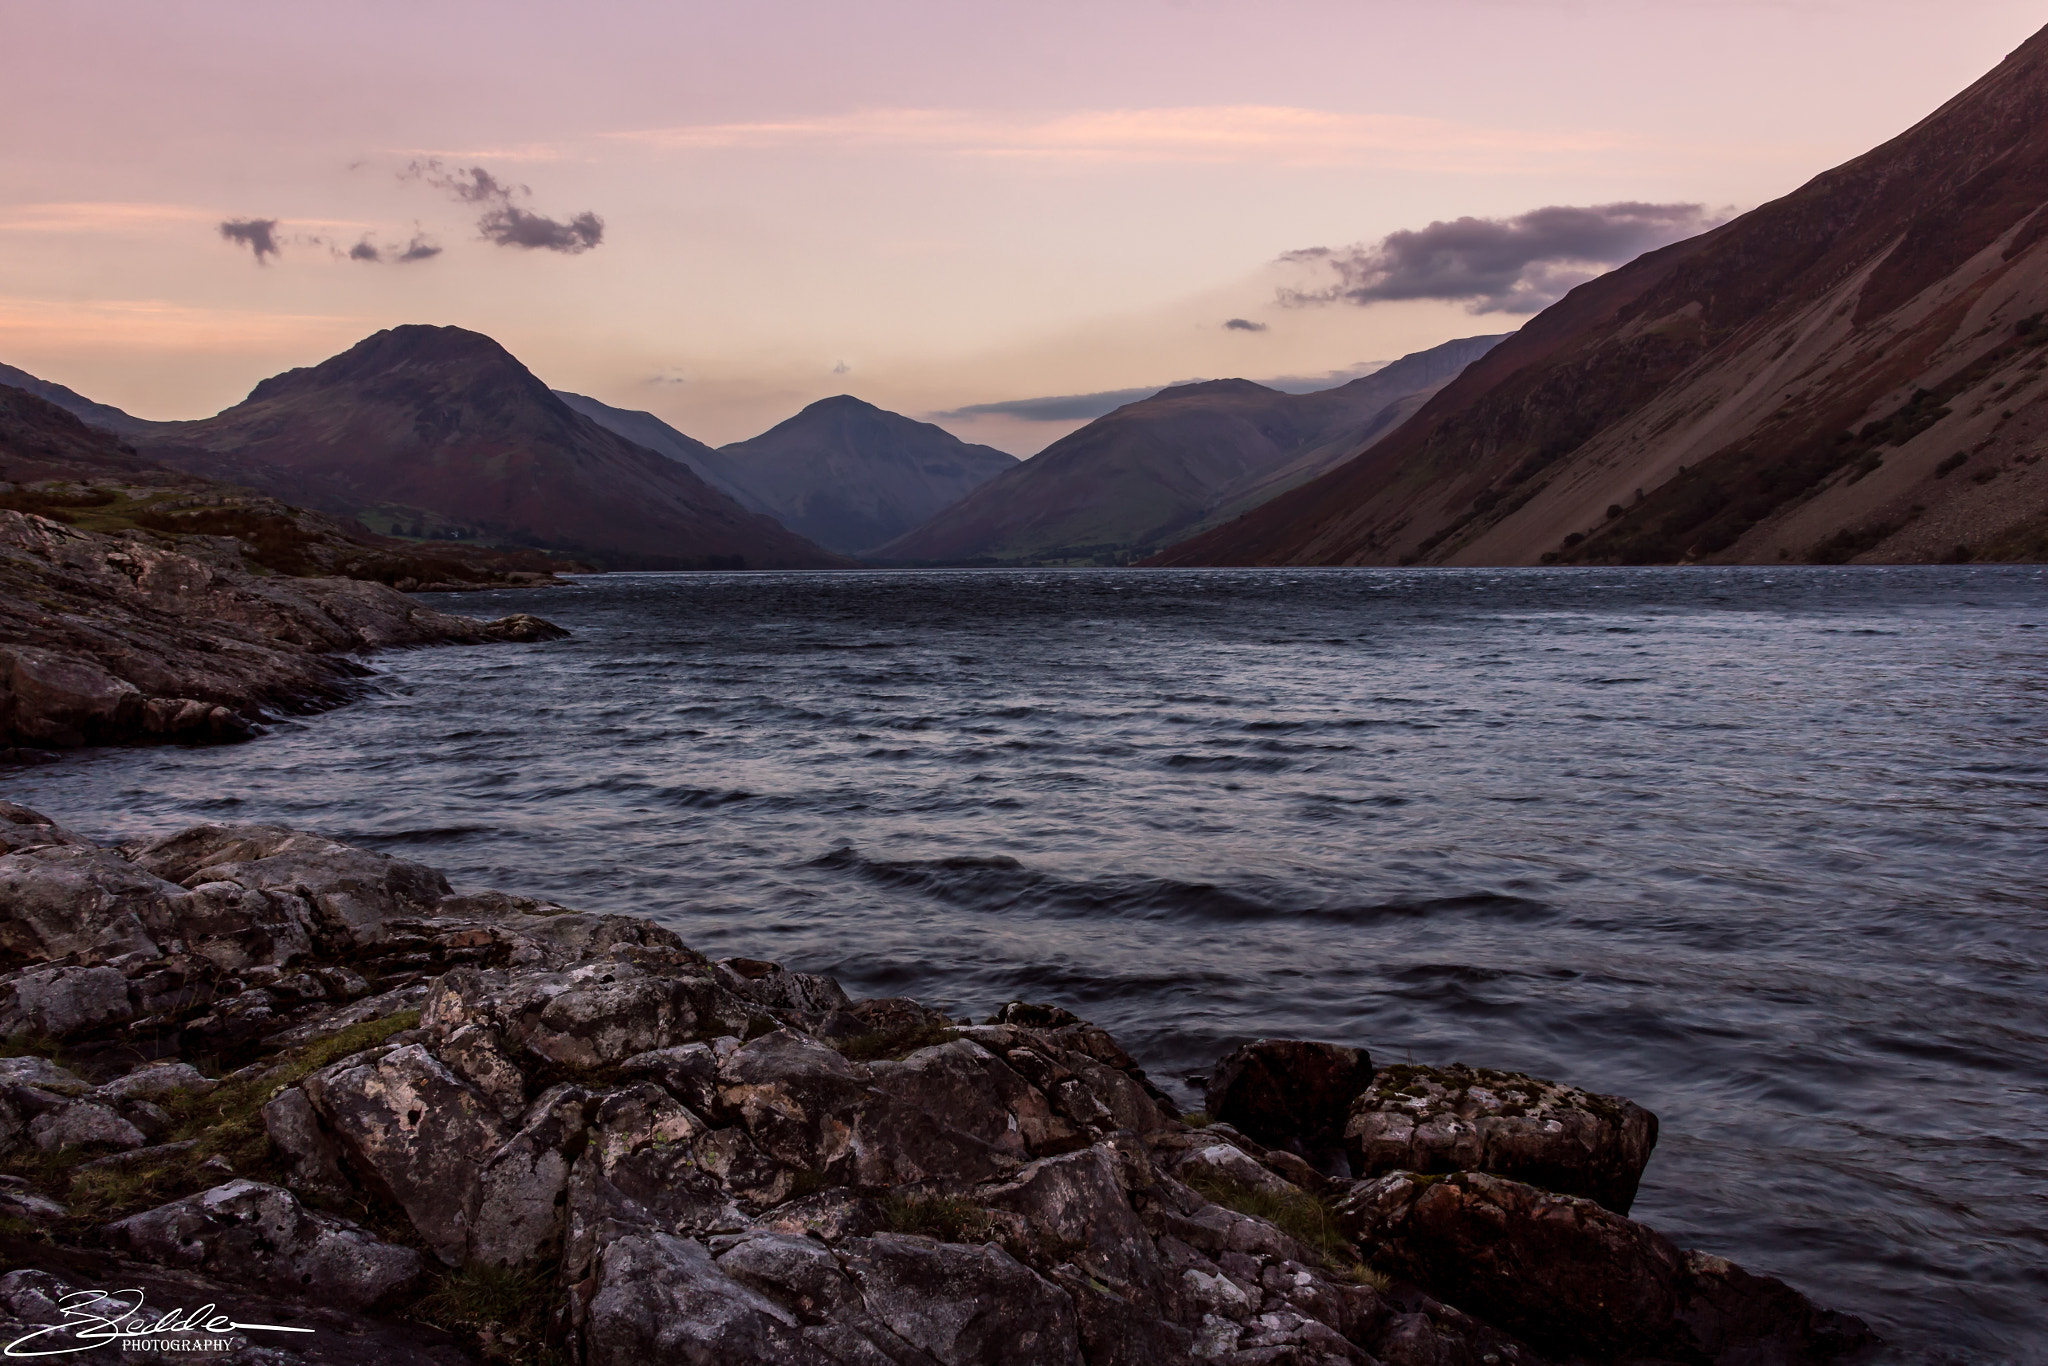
[1765, 850]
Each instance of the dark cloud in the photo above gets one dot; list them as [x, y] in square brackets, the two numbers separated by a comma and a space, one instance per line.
[418, 249]
[504, 221]
[511, 226]
[1242, 325]
[259, 235]
[1496, 265]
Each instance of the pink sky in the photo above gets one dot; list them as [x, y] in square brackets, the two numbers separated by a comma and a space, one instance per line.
[930, 205]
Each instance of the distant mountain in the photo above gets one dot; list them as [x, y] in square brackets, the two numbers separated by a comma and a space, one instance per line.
[852, 476]
[1852, 372]
[442, 425]
[101, 415]
[645, 429]
[1164, 467]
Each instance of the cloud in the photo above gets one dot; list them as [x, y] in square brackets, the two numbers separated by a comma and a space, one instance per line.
[418, 249]
[842, 368]
[1269, 134]
[1499, 265]
[1242, 325]
[504, 220]
[259, 235]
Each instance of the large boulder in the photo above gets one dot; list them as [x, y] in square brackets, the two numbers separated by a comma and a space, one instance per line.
[656, 1297]
[354, 892]
[1290, 1093]
[1451, 1119]
[261, 1235]
[964, 1306]
[1577, 1280]
[69, 900]
[414, 1129]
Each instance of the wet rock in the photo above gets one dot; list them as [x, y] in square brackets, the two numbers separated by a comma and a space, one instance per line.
[1435, 1120]
[22, 830]
[1291, 1094]
[778, 988]
[1576, 1279]
[965, 1306]
[416, 1131]
[593, 1015]
[261, 1235]
[952, 1112]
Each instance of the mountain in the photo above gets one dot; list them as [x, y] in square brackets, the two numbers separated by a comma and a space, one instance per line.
[442, 429]
[1161, 468]
[852, 476]
[43, 440]
[844, 473]
[104, 416]
[645, 429]
[1852, 372]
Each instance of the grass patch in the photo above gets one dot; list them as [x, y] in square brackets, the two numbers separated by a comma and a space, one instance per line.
[32, 1046]
[502, 1312]
[226, 1122]
[947, 1218]
[1197, 1119]
[888, 1045]
[1299, 1215]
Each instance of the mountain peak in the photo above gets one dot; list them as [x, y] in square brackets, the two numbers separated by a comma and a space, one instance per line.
[410, 348]
[1214, 388]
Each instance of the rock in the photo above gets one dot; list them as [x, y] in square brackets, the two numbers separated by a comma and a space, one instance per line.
[522, 1189]
[66, 900]
[798, 1099]
[415, 1130]
[82, 1124]
[590, 1016]
[22, 830]
[689, 1072]
[57, 1002]
[309, 1151]
[645, 1168]
[965, 1306]
[1291, 1094]
[43, 1075]
[952, 1112]
[1576, 1279]
[19, 1202]
[523, 628]
[656, 1297]
[779, 989]
[1075, 1205]
[261, 1235]
[352, 891]
[156, 1082]
[1435, 1120]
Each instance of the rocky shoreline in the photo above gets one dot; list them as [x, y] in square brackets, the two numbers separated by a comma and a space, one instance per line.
[139, 638]
[312, 1085]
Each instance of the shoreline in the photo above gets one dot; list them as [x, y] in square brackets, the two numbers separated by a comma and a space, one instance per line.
[421, 1094]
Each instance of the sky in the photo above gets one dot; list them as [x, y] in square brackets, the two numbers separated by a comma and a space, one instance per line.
[720, 213]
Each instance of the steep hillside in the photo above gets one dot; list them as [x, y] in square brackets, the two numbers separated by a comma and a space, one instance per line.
[442, 426]
[1851, 372]
[1160, 468]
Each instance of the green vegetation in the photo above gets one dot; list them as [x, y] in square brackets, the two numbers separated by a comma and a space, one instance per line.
[947, 1218]
[888, 1045]
[502, 1312]
[226, 1122]
[1301, 1216]
[1846, 544]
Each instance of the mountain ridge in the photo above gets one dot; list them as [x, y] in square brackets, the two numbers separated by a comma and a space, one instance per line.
[1750, 395]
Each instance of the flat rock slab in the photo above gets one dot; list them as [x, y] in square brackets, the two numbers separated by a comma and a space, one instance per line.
[1435, 1120]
